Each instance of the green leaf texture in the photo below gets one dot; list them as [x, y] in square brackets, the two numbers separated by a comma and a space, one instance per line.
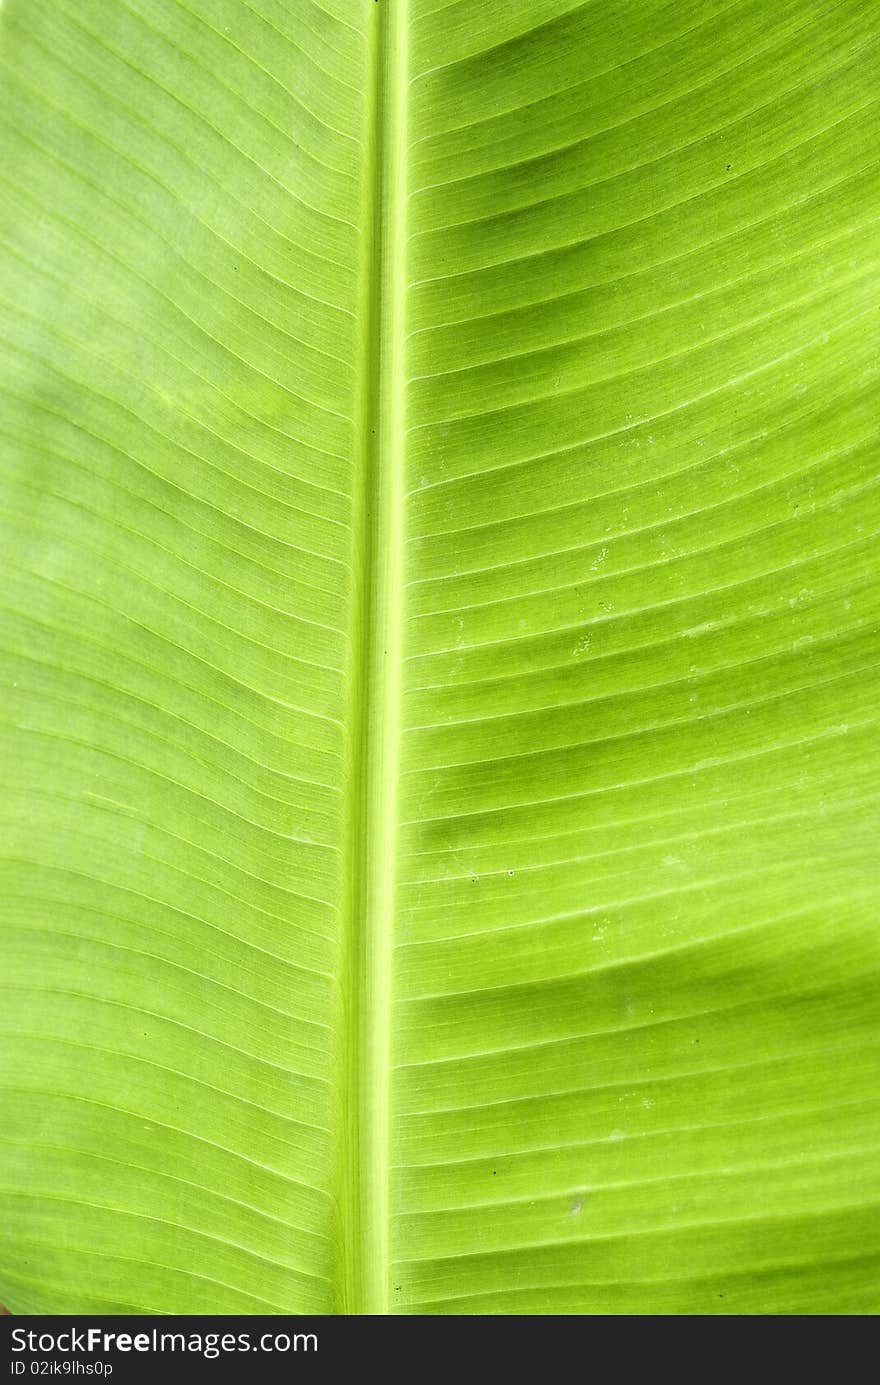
[439, 629]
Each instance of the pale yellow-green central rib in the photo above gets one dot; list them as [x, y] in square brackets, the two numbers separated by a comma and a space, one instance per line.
[375, 683]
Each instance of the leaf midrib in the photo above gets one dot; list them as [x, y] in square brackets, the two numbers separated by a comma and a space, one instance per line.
[363, 1262]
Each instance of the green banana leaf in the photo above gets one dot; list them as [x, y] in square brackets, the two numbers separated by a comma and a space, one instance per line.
[439, 626]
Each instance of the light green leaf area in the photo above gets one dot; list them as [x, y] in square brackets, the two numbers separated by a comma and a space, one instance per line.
[439, 628]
